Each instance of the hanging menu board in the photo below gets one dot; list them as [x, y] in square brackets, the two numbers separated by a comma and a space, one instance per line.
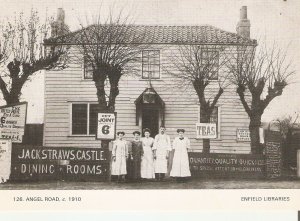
[273, 154]
[13, 120]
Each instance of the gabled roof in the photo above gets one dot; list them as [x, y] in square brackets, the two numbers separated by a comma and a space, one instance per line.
[165, 34]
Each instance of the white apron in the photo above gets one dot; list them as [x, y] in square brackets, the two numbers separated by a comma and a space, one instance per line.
[180, 166]
[120, 151]
[147, 164]
[162, 145]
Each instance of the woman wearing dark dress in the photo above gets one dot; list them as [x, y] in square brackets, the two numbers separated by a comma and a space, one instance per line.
[136, 152]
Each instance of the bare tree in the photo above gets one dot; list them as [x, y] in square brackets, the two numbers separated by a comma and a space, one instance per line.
[108, 47]
[22, 53]
[200, 66]
[286, 123]
[259, 77]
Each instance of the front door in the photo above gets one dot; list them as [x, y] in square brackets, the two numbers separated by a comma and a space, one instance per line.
[150, 118]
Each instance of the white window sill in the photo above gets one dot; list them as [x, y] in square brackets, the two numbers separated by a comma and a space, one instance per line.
[152, 79]
[81, 135]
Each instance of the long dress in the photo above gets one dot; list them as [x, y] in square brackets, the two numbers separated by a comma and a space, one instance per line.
[147, 166]
[134, 164]
[162, 145]
[120, 151]
[180, 166]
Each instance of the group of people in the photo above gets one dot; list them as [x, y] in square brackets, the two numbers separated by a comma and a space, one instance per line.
[147, 158]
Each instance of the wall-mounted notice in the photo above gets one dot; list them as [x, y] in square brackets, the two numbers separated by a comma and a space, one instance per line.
[5, 159]
[206, 131]
[106, 126]
[243, 135]
[13, 120]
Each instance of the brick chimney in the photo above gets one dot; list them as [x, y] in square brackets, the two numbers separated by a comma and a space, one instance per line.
[58, 27]
[243, 26]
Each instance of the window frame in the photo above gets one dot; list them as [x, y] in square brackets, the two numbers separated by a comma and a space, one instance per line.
[88, 120]
[159, 70]
[85, 69]
[218, 63]
[219, 121]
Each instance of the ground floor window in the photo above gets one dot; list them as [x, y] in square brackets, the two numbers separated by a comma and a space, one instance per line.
[215, 118]
[84, 118]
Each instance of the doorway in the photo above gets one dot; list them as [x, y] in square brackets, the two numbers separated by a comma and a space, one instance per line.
[150, 119]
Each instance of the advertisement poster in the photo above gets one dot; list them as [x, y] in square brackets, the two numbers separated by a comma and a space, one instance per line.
[13, 119]
[5, 159]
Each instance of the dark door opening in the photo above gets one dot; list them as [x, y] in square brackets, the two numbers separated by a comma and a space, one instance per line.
[150, 118]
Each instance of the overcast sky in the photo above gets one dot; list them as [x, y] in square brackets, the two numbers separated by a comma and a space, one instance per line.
[275, 20]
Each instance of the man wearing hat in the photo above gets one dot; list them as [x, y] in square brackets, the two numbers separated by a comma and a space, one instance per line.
[180, 167]
[119, 156]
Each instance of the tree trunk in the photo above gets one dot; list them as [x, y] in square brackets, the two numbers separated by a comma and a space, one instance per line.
[205, 118]
[255, 122]
[12, 99]
[99, 83]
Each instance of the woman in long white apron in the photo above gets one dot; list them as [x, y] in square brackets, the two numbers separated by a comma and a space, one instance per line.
[119, 156]
[180, 167]
[147, 165]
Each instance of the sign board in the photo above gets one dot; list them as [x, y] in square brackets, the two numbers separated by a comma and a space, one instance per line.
[13, 120]
[226, 165]
[243, 135]
[273, 154]
[206, 130]
[106, 126]
[59, 163]
[5, 159]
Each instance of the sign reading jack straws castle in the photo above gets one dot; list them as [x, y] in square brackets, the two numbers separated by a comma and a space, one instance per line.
[13, 119]
[55, 163]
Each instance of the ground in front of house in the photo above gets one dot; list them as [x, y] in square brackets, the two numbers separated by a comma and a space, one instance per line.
[170, 184]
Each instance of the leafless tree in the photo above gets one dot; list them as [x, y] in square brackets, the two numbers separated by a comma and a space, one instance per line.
[108, 47]
[22, 53]
[286, 123]
[260, 77]
[200, 66]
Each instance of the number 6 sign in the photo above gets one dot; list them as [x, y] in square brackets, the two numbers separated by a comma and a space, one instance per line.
[106, 126]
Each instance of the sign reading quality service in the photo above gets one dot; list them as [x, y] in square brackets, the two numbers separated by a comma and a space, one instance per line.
[106, 126]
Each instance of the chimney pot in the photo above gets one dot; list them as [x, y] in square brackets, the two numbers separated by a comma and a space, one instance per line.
[243, 26]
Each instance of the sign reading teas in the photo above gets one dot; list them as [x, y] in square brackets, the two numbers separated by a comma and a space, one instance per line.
[13, 119]
[206, 130]
[106, 126]
[42, 163]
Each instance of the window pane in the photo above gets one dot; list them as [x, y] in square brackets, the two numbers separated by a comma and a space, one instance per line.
[150, 63]
[210, 61]
[88, 70]
[94, 109]
[79, 118]
[214, 117]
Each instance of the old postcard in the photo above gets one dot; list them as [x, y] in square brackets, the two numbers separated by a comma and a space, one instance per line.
[150, 105]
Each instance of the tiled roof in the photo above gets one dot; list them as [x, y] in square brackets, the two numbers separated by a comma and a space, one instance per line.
[164, 34]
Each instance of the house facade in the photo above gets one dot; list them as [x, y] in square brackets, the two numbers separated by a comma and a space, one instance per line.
[71, 103]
